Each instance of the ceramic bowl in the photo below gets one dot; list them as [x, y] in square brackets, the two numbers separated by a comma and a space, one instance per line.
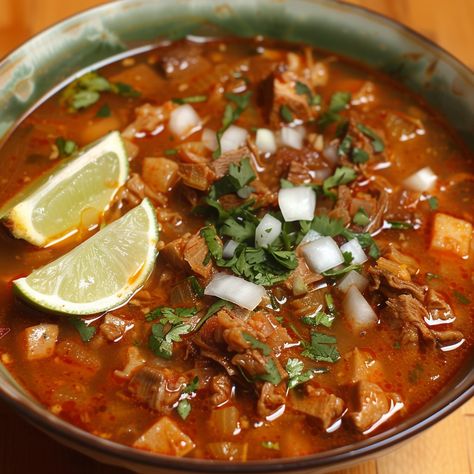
[98, 36]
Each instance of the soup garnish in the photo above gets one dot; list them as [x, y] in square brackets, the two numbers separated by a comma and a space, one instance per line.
[313, 283]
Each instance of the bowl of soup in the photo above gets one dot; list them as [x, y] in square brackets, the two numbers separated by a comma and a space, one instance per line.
[235, 236]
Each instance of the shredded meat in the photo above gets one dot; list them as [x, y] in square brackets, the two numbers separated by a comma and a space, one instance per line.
[139, 190]
[437, 307]
[299, 173]
[221, 165]
[195, 253]
[148, 118]
[302, 278]
[343, 204]
[160, 389]
[197, 176]
[411, 314]
[221, 386]
[387, 283]
[318, 403]
[369, 403]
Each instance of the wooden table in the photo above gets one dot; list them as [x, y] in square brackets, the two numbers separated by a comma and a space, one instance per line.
[447, 448]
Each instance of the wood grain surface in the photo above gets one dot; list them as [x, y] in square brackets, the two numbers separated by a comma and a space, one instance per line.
[446, 448]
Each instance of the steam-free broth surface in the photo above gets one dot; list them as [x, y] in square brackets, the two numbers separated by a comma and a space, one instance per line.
[316, 364]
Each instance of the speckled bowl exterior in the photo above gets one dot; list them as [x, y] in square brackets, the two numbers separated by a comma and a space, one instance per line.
[95, 37]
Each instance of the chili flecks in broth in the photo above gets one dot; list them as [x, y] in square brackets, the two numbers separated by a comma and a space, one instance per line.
[314, 281]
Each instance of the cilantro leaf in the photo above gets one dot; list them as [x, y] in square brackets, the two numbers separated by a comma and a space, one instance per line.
[342, 175]
[303, 89]
[238, 177]
[198, 290]
[65, 147]
[433, 203]
[296, 376]
[192, 386]
[272, 374]
[337, 103]
[194, 99]
[184, 408]
[361, 218]
[213, 242]
[104, 111]
[256, 344]
[86, 332]
[161, 343]
[240, 231]
[345, 146]
[359, 155]
[400, 225]
[286, 114]
[377, 143]
[321, 348]
[271, 445]
[212, 310]
[327, 226]
[461, 298]
[125, 90]
[319, 318]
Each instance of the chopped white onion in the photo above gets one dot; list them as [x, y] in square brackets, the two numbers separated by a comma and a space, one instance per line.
[358, 254]
[265, 141]
[234, 137]
[229, 249]
[267, 231]
[357, 310]
[321, 174]
[422, 180]
[184, 120]
[236, 290]
[209, 139]
[330, 152]
[297, 203]
[293, 137]
[353, 278]
[322, 254]
[310, 236]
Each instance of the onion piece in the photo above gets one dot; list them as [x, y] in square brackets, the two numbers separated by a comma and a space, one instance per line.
[353, 278]
[310, 236]
[265, 141]
[357, 310]
[229, 249]
[293, 137]
[184, 120]
[267, 231]
[322, 254]
[422, 180]
[297, 203]
[355, 249]
[209, 139]
[234, 137]
[236, 290]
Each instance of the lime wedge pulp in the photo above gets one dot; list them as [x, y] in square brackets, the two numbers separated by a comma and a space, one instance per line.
[101, 273]
[75, 194]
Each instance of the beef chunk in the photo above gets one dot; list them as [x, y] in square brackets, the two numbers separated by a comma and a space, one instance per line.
[271, 399]
[221, 165]
[368, 404]
[195, 253]
[173, 252]
[302, 278]
[437, 307]
[160, 389]
[197, 176]
[343, 204]
[113, 327]
[318, 403]
[148, 118]
[299, 173]
[184, 60]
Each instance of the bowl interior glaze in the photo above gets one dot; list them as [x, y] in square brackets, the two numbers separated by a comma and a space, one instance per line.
[54, 57]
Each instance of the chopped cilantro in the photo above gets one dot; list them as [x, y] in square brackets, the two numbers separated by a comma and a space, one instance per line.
[345, 146]
[415, 374]
[400, 225]
[86, 332]
[231, 114]
[194, 99]
[337, 272]
[359, 155]
[170, 315]
[213, 242]
[296, 376]
[377, 143]
[86, 91]
[184, 408]
[192, 386]
[327, 226]
[198, 290]
[271, 374]
[433, 203]
[271, 445]
[461, 298]
[319, 318]
[361, 218]
[432, 276]
[342, 175]
[256, 344]
[397, 345]
[286, 114]
[104, 111]
[212, 310]
[161, 342]
[321, 348]
[337, 103]
[239, 175]
[65, 147]
[285, 184]
[170, 151]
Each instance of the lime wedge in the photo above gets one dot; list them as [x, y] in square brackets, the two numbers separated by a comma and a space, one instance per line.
[101, 273]
[75, 194]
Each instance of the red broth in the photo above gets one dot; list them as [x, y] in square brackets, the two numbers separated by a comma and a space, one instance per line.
[226, 391]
